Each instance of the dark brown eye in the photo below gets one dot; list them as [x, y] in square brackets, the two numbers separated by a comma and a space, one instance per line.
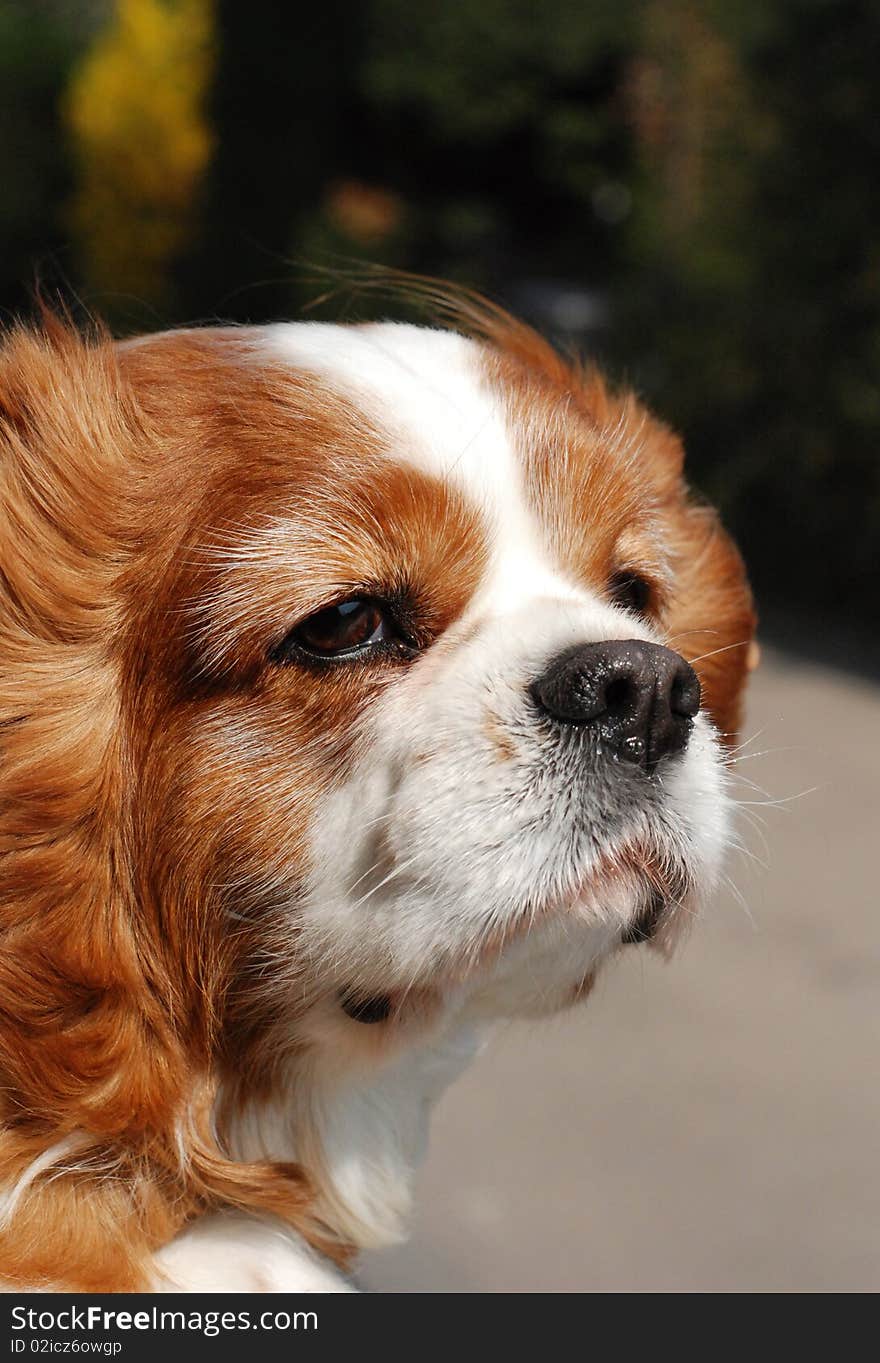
[338, 630]
[631, 591]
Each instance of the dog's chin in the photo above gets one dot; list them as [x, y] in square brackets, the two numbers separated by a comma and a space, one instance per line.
[545, 963]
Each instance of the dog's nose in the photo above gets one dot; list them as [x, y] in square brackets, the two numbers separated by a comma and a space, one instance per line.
[638, 698]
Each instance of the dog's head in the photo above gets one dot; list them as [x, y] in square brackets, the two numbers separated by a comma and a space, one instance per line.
[349, 677]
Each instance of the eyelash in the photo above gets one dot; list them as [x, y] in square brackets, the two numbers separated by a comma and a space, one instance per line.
[384, 637]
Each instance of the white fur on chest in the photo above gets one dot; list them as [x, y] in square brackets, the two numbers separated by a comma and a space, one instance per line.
[228, 1252]
[360, 1136]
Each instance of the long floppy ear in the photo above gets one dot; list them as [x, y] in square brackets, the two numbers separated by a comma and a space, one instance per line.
[105, 1099]
[75, 1063]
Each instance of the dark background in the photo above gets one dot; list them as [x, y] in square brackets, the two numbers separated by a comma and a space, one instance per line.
[686, 188]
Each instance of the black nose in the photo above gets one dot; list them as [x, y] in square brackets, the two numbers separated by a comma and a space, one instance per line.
[638, 698]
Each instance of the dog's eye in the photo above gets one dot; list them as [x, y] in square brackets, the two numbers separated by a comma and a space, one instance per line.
[631, 591]
[339, 630]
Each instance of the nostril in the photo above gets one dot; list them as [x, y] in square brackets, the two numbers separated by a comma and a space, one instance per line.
[685, 695]
[620, 694]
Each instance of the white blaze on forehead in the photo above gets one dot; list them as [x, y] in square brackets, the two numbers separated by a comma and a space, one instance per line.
[425, 389]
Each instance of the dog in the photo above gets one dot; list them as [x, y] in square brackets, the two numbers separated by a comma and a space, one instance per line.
[359, 685]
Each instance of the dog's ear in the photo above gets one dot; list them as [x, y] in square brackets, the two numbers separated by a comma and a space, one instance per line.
[86, 1055]
[106, 1087]
[68, 962]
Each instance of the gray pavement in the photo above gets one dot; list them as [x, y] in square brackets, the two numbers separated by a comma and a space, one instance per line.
[708, 1125]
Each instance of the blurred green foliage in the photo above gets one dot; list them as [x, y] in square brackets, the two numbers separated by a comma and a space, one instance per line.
[702, 176]
[140, 142]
